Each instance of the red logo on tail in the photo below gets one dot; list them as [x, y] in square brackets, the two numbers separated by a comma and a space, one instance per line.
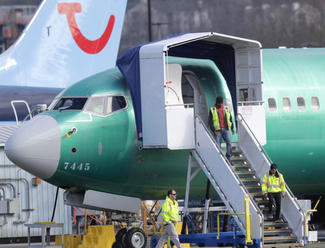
[88, 46]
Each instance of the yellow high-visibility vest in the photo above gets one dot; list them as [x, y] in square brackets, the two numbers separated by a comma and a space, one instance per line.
[169, 211]
[273, 184]
[215, 118]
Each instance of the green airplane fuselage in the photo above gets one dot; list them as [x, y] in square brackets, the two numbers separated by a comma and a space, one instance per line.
[107, 156]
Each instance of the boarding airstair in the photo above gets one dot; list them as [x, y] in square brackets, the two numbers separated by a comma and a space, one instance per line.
[275, 233]
[162, 100]
[241, 176]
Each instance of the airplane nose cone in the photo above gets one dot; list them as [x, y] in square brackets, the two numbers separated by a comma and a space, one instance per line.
[36, 146]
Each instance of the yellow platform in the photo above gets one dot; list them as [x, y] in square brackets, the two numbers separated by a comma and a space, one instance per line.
[97, 237]
[70, 241]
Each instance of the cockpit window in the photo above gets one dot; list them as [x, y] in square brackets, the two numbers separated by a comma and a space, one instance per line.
[105, 105]
[96, 105]
[115, 103]
[70, 103]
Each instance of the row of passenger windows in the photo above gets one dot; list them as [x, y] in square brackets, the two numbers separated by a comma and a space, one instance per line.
[101, 105]
[286, 104]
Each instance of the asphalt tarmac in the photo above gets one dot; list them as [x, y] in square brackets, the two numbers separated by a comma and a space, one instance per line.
[316, 245]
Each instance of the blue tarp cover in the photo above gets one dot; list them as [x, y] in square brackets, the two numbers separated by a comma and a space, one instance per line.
[223, 56]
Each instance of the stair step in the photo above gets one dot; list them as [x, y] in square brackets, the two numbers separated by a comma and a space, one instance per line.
[253, 187]
[237, 158]
[262, 201]
[265, 208]
[241, 166]
[256, 193]
[236, 151]
[246, 172]
[277, 231]
[258, 197]
[267, 214]
[284, 245]
[279, 239]
[249, 179]
[274, 224]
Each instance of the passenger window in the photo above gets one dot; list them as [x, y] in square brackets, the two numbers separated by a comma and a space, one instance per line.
[315, 106]
[96, 105]
[115, 103]
[301, 104]
[286, 104]
[272, 104]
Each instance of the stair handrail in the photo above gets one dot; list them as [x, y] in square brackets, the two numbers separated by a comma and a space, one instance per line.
[265, 153]
[257, 209]
[14, 108]
[253, 135]
[270, 162]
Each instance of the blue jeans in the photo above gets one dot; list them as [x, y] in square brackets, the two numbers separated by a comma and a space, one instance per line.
[225, 135]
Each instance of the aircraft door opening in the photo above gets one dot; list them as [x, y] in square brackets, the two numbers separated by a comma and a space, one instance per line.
[179, 109]
[184, 100]
[162, 106]
[191, 81]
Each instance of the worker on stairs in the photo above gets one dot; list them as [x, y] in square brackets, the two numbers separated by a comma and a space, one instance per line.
[220, 122]
[273, 187]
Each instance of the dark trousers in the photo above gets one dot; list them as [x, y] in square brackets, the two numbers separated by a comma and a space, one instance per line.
[275, 199]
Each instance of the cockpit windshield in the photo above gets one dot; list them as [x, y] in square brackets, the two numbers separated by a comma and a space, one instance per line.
[70, 103]
[105, 105]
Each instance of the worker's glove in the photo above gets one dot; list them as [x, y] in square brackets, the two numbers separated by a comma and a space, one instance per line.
[265, 196]
[283, 194]
[233, 132]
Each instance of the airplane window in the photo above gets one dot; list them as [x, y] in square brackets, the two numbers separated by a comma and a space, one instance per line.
[286, 104]
[301, 104]
[55, 100]
[96, 105]
[115, 103]
[315, 103]
[71, 103]
[272, 104]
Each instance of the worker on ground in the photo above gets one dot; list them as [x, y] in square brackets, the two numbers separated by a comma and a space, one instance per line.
[170, 218]
[221, 123]
[273, 186]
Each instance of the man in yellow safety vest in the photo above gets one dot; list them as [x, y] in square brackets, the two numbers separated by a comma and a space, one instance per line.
[273, 186]
[221, 123]
[170, 218]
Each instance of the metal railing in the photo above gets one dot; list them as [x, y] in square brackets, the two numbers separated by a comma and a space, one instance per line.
[244, 103]
[238, 181]
[241, 118]
[262, 167]
[307, 212]
[39, 108]
[14, 108]
[248, 220]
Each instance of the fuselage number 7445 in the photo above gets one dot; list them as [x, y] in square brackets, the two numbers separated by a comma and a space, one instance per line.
[73, 166]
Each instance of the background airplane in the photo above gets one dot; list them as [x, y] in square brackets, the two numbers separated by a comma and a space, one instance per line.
[65, 42]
